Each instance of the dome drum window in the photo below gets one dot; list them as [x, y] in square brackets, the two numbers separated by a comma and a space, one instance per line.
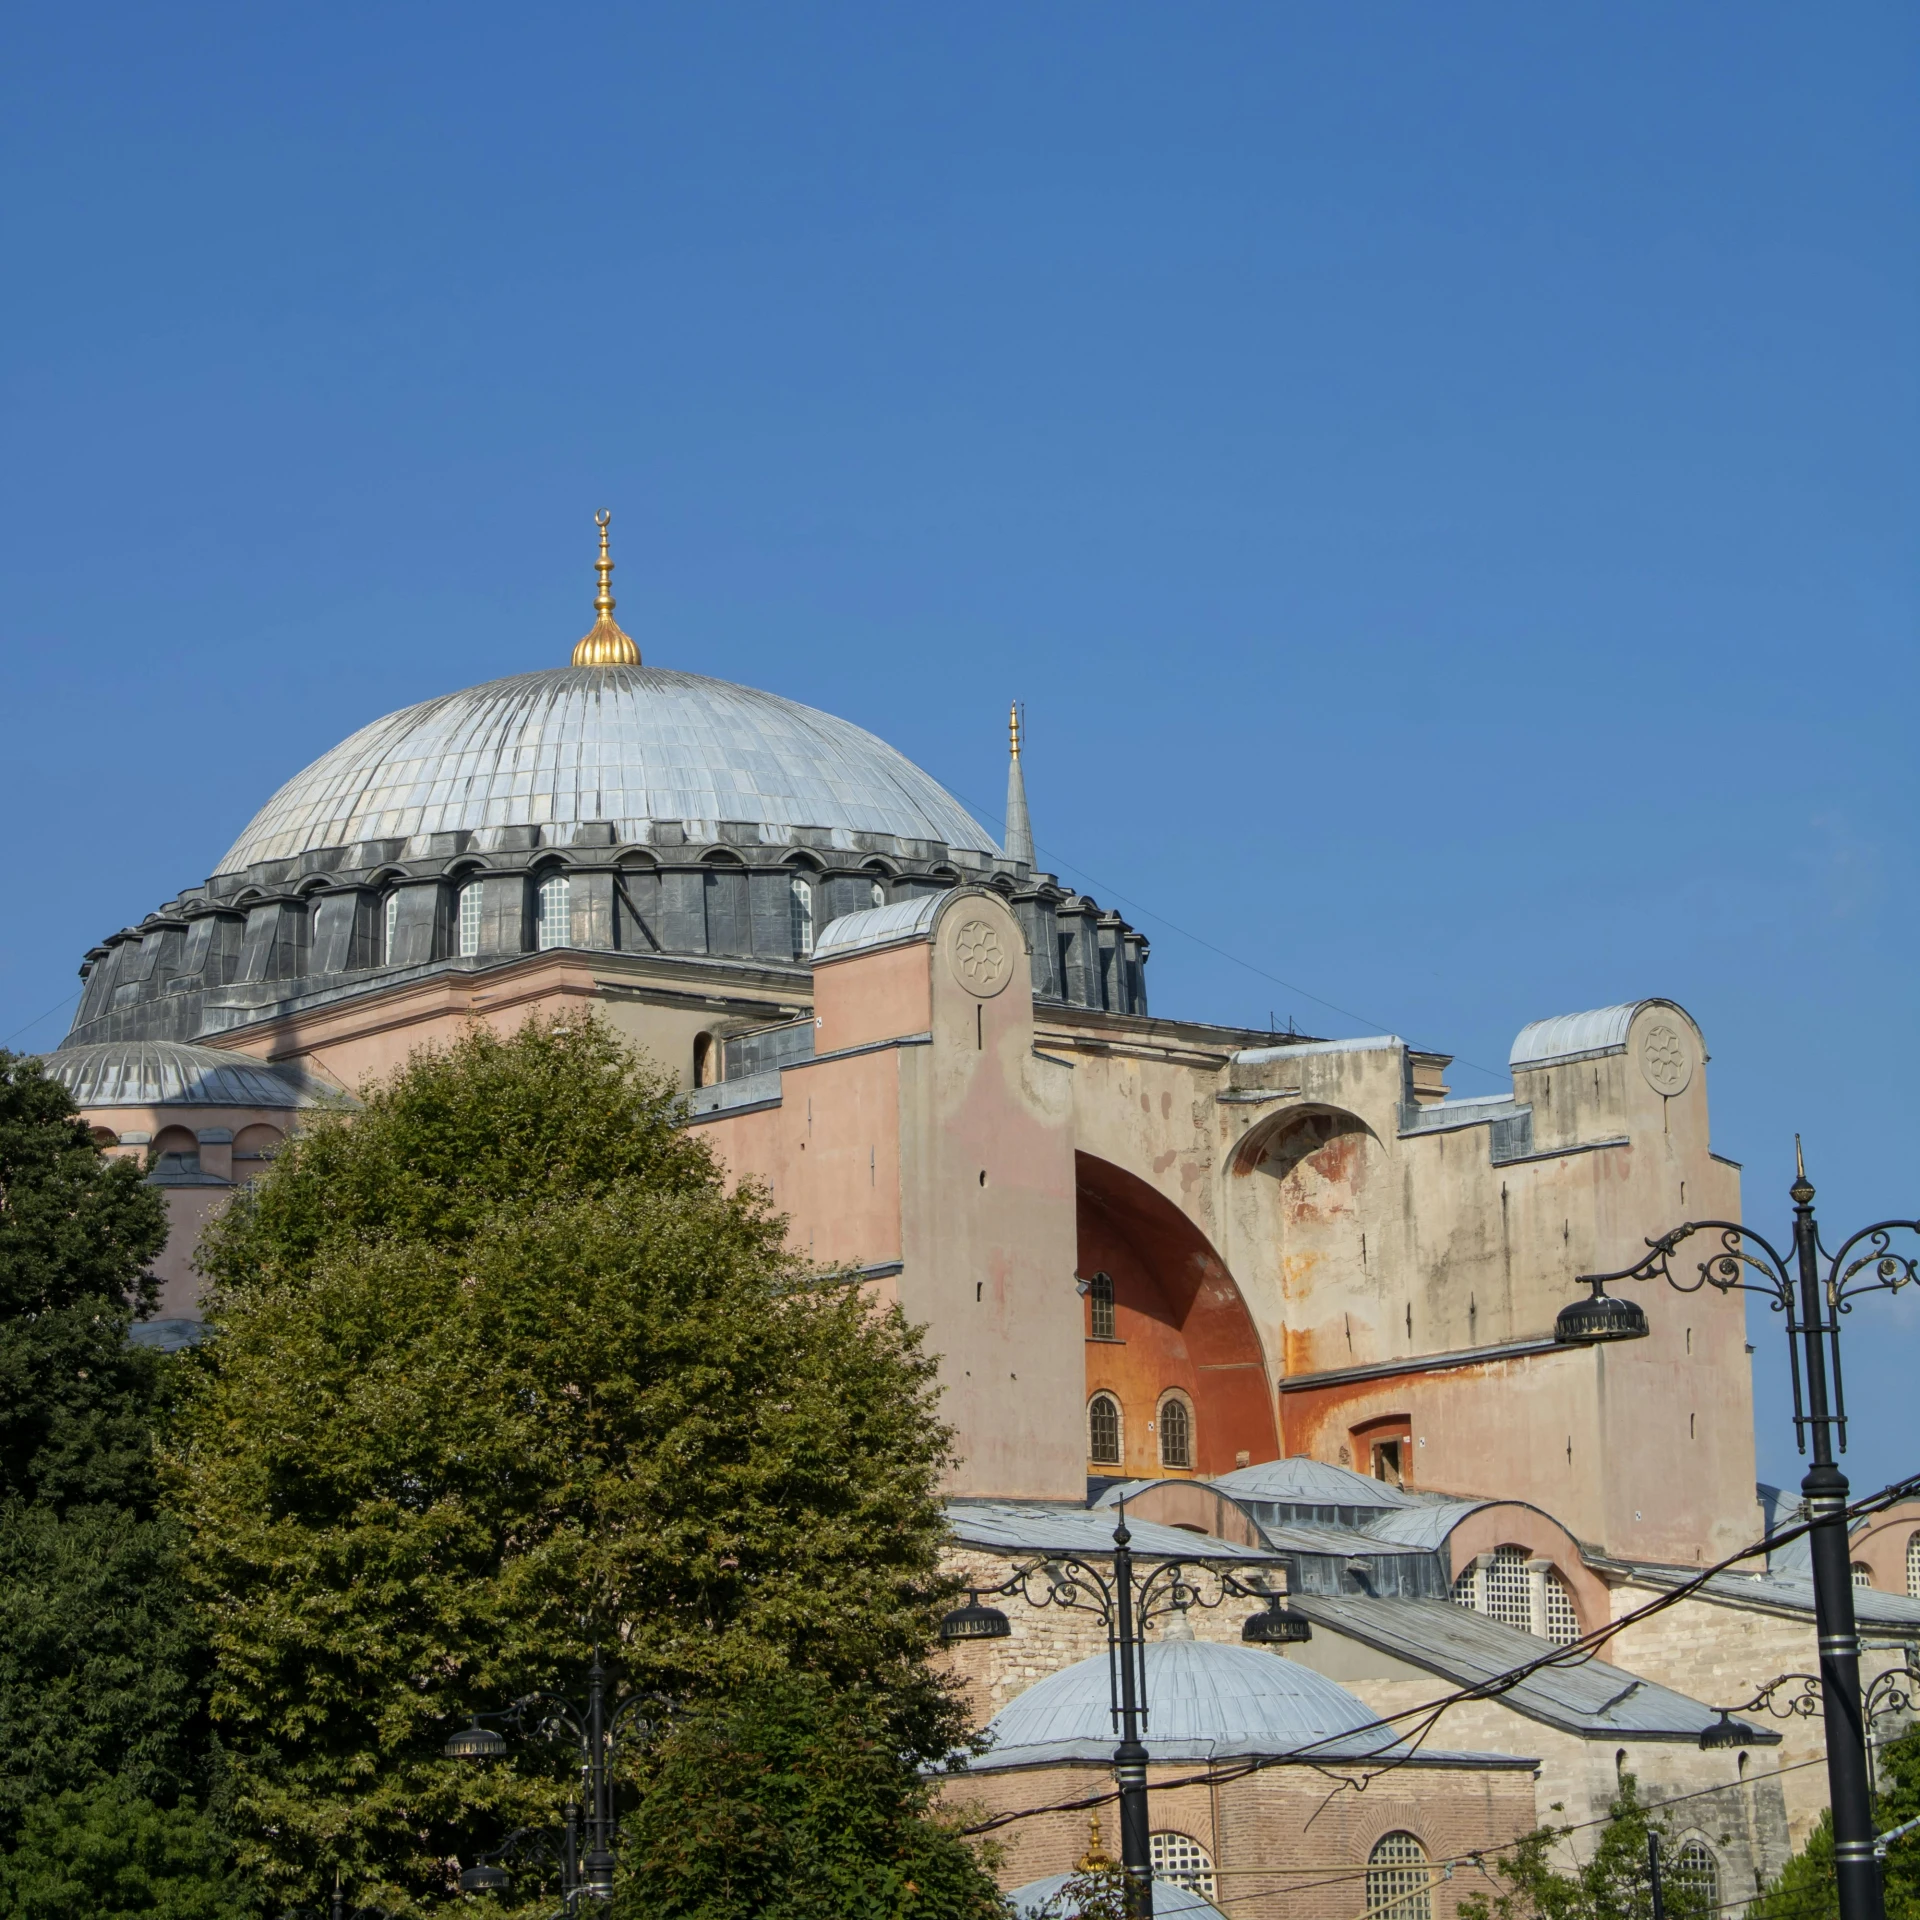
[553, 912]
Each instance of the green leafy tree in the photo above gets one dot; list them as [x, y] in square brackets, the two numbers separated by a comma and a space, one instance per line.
[502, 1370]
[1805, 1888]
[108, 1854]
[1613, 1883]
[794, 1801]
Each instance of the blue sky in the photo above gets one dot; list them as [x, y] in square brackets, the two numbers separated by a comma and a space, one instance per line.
[1443, 480]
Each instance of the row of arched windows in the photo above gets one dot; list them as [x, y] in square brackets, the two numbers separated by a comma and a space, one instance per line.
[1863, 1573]
[1172, 1429]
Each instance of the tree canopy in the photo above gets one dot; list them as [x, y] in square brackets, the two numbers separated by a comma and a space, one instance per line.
[501, 1369]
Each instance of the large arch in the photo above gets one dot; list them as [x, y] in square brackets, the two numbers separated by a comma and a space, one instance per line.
[1180, 1326]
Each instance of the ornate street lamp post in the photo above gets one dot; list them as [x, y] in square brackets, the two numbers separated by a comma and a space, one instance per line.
[1797, 1696]
[599, 1734]
[1812, 1290]
[1125, 1603]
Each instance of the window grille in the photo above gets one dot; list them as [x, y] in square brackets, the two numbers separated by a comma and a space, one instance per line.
[1507, 1598]
[1696, 1869]
[1397, 1880]
[391, 921]
[1913, 1565]
[1100, 1301]
[1176, 1434]
[1563, 1623]
[553, 913]
[1184, 1861]
[1103, 1429]
[1862, 1574]
[1463, 1593]
[470, 920]
[802, 916]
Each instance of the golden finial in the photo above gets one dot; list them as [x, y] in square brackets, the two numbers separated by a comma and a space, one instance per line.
[1013, 727]
[605, 645]
[1095, 1856]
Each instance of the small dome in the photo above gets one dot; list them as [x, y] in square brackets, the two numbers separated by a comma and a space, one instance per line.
[631, 745]
[1298, 1481]
[164, 1073]
[1171, 1901]
[1204, 1699]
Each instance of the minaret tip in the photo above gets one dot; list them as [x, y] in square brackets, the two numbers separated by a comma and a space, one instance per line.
[1019, 825]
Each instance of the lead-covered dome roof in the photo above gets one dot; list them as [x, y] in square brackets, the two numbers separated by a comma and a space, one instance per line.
[627, 744]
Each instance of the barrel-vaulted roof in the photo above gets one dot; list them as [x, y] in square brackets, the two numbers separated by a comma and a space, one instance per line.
[626, 744]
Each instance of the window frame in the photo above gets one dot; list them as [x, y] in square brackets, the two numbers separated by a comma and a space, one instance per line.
[551, 929]
[1173, 1397]
[1100, 1308]
[467, 926]
[1389, 1892]
[1119, 1454]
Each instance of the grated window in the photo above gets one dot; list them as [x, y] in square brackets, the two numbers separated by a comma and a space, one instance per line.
[1508, 1600]
[1913, 1565]
[1397, 1880]
[391, 921]
[1696, 1870]
[802, 916]
[1103, 1429]
[1862, 1574]
[1100, 1304]
[553, 913]
[1463, 1595]
[470, 920]
[1184, 1861]
[1563, 1623]
[1176, 1434]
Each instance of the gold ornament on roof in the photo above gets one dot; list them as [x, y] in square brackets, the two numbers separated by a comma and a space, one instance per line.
[1013, 727]
[1095, 1856]
[605, 645]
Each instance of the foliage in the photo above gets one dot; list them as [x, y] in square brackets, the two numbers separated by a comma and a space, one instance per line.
[794, 1802]
[1095, 1890]
[1613, 1883]
[102, 1673]
[107, 1854]
[1805, 1888]
[76, 1232]
[502, 1370]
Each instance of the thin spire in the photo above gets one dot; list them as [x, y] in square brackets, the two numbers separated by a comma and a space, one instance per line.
[605, 645]
[1019, 825]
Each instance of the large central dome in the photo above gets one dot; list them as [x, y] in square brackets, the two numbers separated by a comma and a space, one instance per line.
[627, 744]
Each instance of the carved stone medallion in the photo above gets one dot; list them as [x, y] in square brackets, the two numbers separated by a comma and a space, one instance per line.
[981, 959]
[1666, 1056]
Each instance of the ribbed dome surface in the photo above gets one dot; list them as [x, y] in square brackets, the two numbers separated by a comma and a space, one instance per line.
[632, 745]
[1203, 1698]
[164, 1073]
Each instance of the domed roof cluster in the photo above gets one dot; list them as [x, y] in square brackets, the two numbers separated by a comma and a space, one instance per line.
[629, 745]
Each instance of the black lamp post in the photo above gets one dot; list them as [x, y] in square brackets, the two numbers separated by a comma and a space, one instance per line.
[599, 1734]
[1797, 1696]
[1125, 1604]
[1812, 1290]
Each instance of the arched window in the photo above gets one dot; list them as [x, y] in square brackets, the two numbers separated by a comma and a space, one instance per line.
[389, 920]
[1183, 1860]
[1913, 1565]
[1100, 1305]
[801, 914]
[1862, 1574]
[1507, 1599]
[470, 903]
[553, 913]
[1176, 1432]
[879, 894]
[706, 1060]
[1563, 1623]
[1103, 1430]
[1697, 1869]
[1397, 1879]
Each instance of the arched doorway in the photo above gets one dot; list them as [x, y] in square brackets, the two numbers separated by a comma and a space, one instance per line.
[1176, 1353]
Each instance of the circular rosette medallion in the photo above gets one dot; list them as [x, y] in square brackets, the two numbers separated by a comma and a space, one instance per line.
[1666, 1056]
[981, 957]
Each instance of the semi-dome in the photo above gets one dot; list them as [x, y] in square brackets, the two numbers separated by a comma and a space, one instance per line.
[1204, 1698]
[631, 745]
[166, 1073]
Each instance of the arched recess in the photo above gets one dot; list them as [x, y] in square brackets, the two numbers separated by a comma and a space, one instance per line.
[1179, 1324]
[1298, 1194]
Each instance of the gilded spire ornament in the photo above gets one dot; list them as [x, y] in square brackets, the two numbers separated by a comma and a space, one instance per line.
[605, 645]
[1019, 823]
